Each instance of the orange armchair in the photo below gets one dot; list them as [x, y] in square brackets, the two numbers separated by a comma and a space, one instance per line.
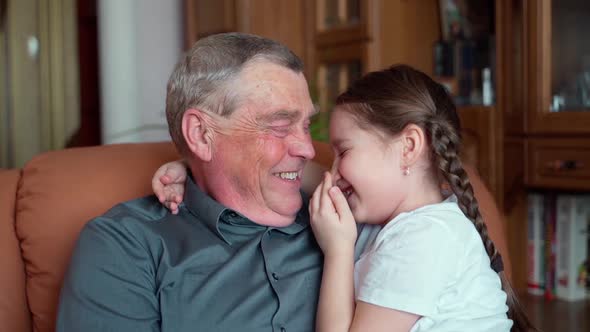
[44, 206]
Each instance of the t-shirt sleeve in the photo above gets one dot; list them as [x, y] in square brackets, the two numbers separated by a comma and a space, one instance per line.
[409, 266]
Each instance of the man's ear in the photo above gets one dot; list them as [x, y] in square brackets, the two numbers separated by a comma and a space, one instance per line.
[198, 134]
[413, 144]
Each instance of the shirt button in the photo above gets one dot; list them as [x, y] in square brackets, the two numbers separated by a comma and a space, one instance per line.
[283, 329]
[275, 277]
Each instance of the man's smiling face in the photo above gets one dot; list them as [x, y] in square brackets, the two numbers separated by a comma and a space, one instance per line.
[259, 158]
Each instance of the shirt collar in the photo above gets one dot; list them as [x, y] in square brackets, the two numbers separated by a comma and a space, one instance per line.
[211, 212]
[203, 206]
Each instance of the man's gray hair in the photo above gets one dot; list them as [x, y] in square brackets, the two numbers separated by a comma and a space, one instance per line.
[201, 78]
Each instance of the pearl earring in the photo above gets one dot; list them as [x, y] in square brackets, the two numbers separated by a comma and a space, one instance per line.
[406, 170]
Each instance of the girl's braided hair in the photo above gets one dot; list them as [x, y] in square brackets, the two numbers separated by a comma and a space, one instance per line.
[391, 99]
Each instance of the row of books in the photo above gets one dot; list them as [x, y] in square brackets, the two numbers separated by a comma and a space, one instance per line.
[558, 246]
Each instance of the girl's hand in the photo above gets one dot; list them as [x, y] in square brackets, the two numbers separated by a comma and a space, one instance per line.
[331, 219]
[168, 184]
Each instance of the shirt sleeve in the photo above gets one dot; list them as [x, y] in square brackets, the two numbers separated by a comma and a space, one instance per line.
[109, 285]
[409, 266]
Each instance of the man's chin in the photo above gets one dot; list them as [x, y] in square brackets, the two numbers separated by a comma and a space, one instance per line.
[289, 205]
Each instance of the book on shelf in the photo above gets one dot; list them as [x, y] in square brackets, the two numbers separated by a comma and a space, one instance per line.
[535, 246]
[558, 246]
[573, 213]
[550, 248]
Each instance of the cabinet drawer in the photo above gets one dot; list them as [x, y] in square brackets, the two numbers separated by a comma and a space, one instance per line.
[558, 163]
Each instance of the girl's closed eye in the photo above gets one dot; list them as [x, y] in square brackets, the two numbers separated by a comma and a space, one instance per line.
[342, 153]
[341, 150]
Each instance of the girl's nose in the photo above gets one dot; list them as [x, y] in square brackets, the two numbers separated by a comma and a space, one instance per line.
[334, 171]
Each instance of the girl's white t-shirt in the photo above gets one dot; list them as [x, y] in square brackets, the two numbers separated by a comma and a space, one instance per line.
[432, 262]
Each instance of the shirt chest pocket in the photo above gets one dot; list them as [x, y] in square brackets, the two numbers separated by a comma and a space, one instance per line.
[185, 297]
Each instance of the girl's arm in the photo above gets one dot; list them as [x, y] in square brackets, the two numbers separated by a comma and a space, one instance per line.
[168, 184]
[370, 317]
[336, 304]
[335, 230]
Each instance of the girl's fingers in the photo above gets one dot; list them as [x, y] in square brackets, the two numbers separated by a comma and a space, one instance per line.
[165, 179]
[340, 204]
[174, 208]
[315, 200]
[326, 204]
[158, 188]
[321, 200]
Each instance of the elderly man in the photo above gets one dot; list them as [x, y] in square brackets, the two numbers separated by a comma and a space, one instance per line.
[239, 255]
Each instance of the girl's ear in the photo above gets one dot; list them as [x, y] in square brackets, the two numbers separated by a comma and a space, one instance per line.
[413, 144]
[198, 134]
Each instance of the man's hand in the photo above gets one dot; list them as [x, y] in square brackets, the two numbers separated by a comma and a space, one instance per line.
[168, 184]
[331, 219]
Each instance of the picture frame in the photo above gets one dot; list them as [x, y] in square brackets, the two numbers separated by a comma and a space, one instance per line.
[466, 19]
[452, 19]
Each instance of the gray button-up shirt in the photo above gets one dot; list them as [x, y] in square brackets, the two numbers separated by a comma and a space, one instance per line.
[140, 268]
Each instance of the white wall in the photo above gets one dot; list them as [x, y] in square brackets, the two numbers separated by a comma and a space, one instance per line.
[140, 41]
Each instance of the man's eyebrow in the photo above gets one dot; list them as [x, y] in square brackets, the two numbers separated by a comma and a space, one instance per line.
[280, 115]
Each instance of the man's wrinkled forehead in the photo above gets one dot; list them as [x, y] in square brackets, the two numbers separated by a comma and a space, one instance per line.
[269, 92]
[286, 115]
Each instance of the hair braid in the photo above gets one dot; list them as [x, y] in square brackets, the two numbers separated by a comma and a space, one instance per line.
[391, 99]
[445, 151]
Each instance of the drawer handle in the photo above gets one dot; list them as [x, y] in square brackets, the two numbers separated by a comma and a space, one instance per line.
[564, 165]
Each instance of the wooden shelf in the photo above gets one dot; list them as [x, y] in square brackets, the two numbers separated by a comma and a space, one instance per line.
[556, 315]
[480, 149]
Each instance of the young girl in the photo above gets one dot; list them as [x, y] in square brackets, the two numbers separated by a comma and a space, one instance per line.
[432, 267]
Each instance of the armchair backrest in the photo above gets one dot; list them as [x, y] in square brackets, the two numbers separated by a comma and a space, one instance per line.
[45, 205]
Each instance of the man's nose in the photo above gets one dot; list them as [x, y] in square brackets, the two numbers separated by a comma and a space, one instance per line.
[302, 146]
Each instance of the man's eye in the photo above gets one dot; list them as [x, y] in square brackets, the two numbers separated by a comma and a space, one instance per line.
[281, 130]
[306, 126]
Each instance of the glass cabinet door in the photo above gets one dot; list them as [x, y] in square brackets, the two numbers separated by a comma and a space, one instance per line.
[340, 21]
[333, 14]
[559, 67]
[332, 79]
[570, 56]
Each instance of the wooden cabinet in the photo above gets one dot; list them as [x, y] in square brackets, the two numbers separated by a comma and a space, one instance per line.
[340, 40]
[546, 107]
[340, 46]
[535, 135]
[556, 122]
[350, 38]
[379, 33]
[480, 145]
[282, 20]
[558, 55]
[561, 163]
[207, 17]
